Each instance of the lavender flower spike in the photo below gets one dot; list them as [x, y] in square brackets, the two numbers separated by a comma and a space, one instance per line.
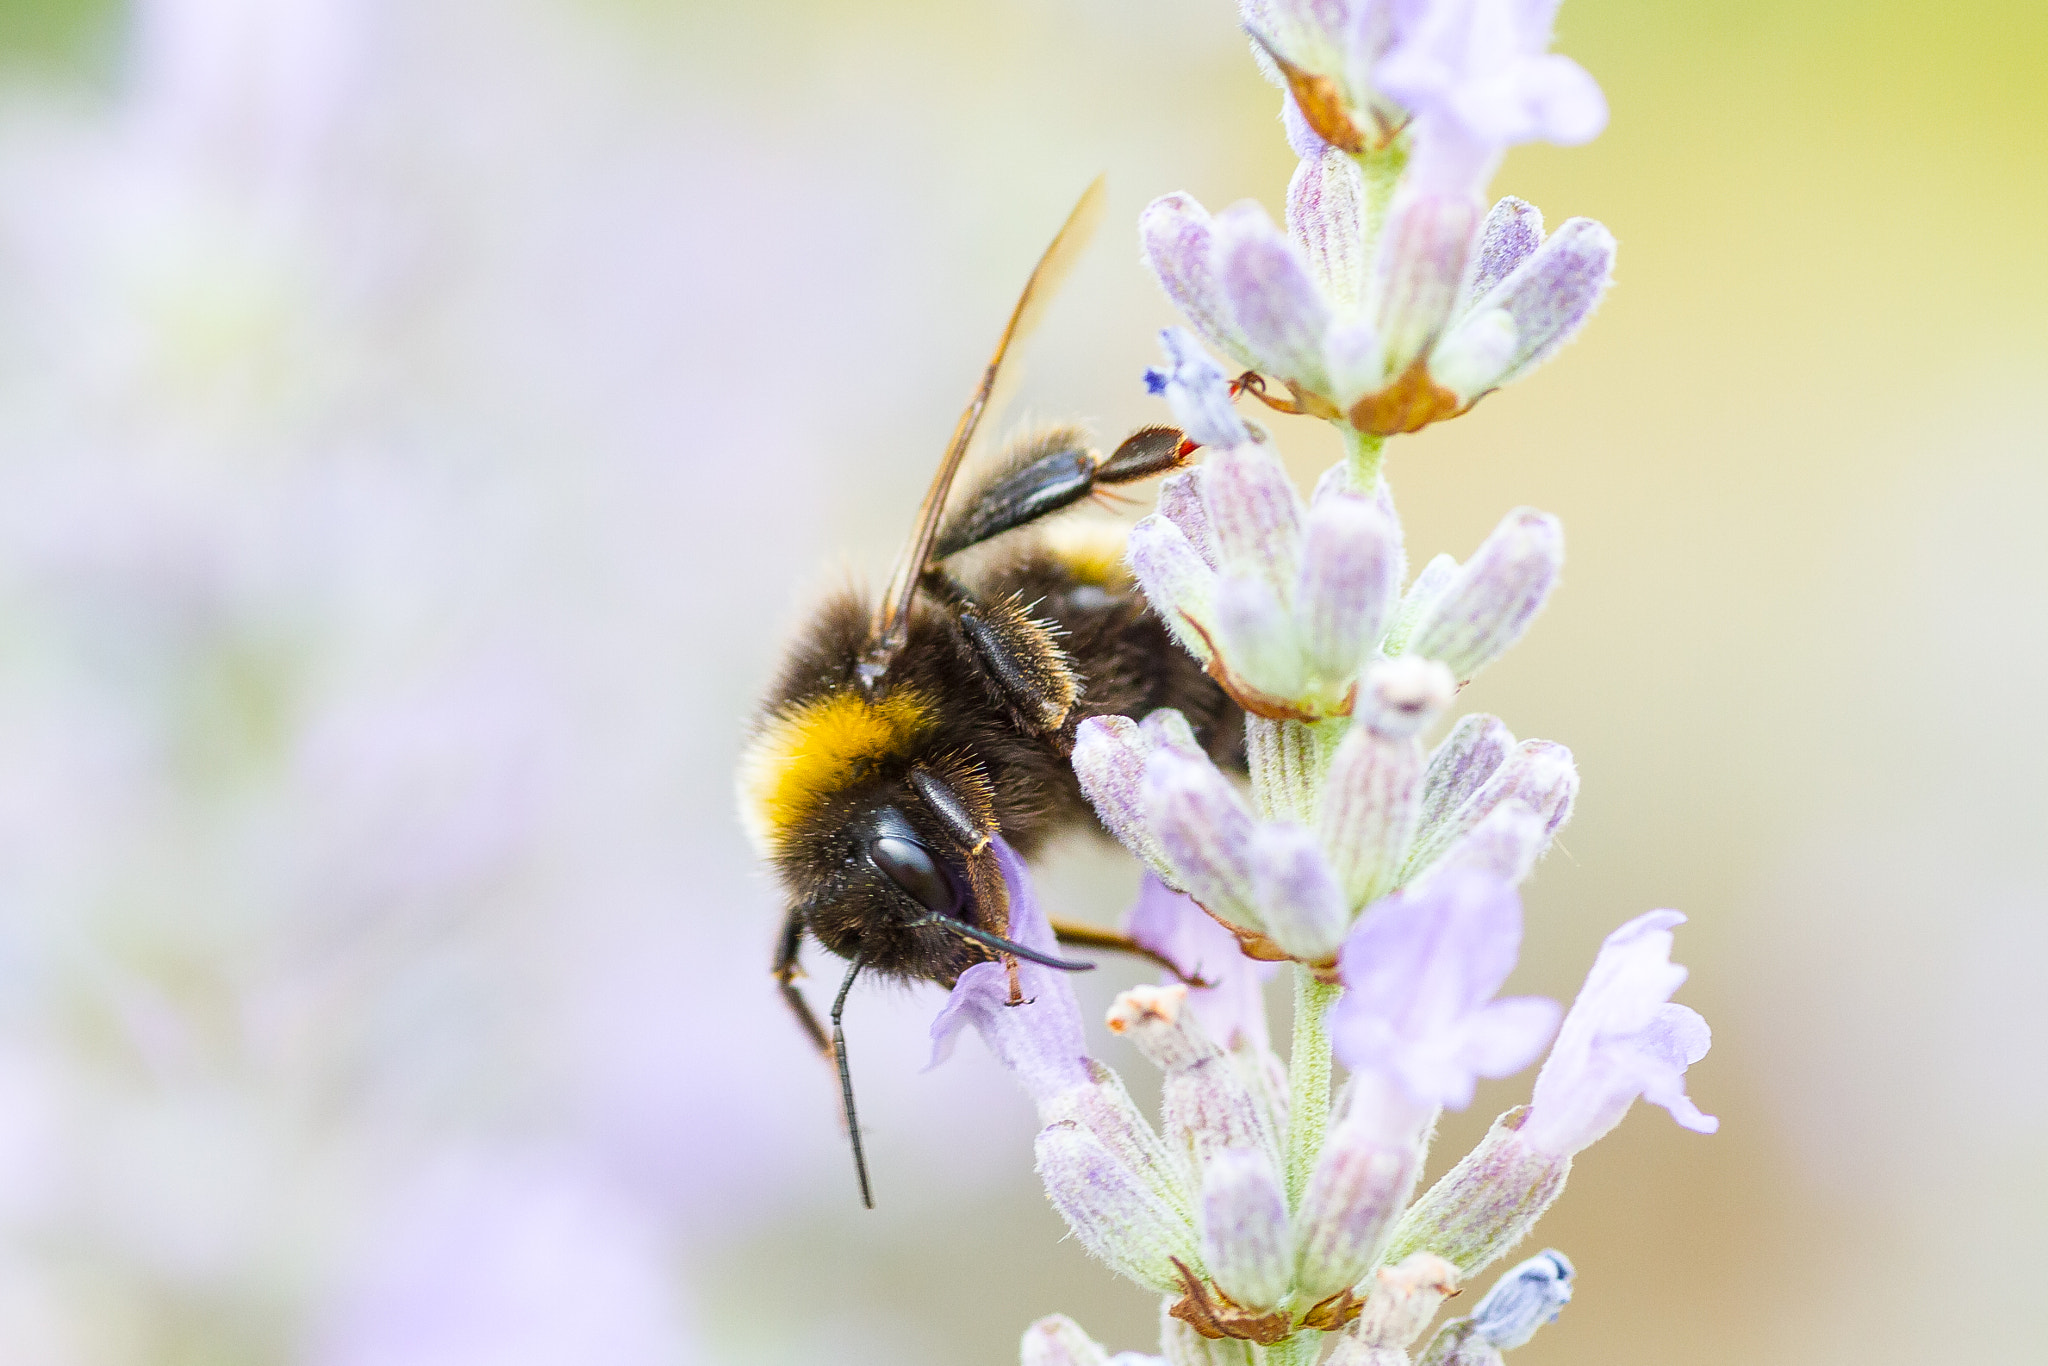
[1623, 1038]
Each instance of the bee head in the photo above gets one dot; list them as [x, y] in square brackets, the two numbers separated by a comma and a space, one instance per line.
[903, 890]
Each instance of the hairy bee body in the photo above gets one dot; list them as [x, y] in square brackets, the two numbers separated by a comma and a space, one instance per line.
[828, 755]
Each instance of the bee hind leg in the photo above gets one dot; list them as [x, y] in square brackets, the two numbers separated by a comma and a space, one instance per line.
[1047, 473]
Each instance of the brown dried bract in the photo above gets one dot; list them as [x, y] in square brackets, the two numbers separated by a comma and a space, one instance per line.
[1409, 404]
[1335, 1312]
[1321, 102]
[1211, 1313]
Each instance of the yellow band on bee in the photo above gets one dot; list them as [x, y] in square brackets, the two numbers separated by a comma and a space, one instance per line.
[809, 752]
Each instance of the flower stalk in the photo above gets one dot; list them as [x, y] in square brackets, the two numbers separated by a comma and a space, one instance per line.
[1374, 849]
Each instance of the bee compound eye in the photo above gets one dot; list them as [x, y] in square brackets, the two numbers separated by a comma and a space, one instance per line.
[912, 868]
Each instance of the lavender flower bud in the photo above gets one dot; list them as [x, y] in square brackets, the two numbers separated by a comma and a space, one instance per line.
[1179, 241]
[1359, 1185]
[1245, 1237]
[1256, 515]
[1057, 1340]
[1176, 580]
[1198, 390]
[1525, 1299]
[1505, 845]
[1402, 696]
[1461, 764]
[1552, 293]
[1486, 1204]
[1368, 813]
[1495, 596]
[1180, 502]
[1420, 598]
[1272, 296]
[1326, 215]
[1204, 829]
[1104, 1109]
[1345, 592]
[1512, 232]
[1204, 1101]
[1109, 760]
[1475, 353]
[1166, 729]
[1420, 267]
[1404, 1299]
[1300, 900]
[1539, 773]
[1113, 1213]
[1255, 636]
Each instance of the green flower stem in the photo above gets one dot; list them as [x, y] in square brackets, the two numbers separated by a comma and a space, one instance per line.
[1300, 1350]
[1363, 452]
[1308, 1080]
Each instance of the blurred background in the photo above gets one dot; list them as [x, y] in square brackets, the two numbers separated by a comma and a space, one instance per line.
[421, 422]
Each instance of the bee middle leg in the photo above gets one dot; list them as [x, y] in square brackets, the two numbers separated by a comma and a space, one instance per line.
[1110, 941]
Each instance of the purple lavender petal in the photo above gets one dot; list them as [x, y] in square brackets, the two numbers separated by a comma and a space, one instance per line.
[1233, 1007]
[1112, 1209]
[1272, 296]
[1326, 215]
[1482, 69]
[1039, 1041]
[1622, 1039]
[1179, 243]
[1420, 971]
[1551, 294]
[1198, 390]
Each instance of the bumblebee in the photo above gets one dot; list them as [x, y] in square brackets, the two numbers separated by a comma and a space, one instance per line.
[905, 733]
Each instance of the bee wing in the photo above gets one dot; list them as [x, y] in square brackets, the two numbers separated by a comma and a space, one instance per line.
[892, 614]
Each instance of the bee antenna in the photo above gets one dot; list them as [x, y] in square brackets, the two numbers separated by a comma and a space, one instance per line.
[860, 1160]
[996, 941]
